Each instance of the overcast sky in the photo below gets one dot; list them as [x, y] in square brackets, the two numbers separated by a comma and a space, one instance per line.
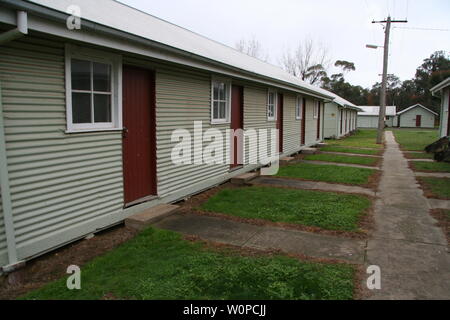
[343, 26]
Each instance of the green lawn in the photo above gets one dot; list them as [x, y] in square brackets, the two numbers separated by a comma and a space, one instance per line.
[430, 166]
[325, 210]
[327, 173]
[334, 148]
[413, 139]
[368, 161]
[436, 187]
[421, 155]
[363, 138]
[161, 265]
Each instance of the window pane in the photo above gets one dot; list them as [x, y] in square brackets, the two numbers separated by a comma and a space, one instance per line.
[102, 108]
[102, 77]
[81, 107]
[271, 98]
[81, 75]
[215, 91]
[215, 110]
[221, 91]
[222, 110]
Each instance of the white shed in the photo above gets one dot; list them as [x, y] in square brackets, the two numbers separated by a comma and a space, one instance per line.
[339, 117]
[368, 117]
[444, 88]
[416, 116]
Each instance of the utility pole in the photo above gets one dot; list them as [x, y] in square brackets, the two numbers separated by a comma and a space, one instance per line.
[382, 112]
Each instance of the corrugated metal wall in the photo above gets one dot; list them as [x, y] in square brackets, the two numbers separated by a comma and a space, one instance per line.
[330, 121]
[408, 119]
[58, 181]
[182, 98]
[3, 252]
[291, 126]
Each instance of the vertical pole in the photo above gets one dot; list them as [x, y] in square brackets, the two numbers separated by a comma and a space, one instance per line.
[5, 192]
[382, 112]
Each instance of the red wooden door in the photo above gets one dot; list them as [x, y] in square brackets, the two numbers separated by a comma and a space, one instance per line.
[318, 120]
[139, 138]
[237, 122]
[341, 116]
[418, 120]
[280, 122]
[303, 122]
[346, 121]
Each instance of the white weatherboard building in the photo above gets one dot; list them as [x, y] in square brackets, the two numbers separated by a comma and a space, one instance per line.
[416, 116]
[340, 117]
[368, 117]
[86, 116]
[444, 89]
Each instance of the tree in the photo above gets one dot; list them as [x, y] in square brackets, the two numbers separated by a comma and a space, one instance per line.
[253, 48]
[309, 61]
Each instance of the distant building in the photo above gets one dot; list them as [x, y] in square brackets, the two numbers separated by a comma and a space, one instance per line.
[368, 117]
[416, 116]
[444, 89]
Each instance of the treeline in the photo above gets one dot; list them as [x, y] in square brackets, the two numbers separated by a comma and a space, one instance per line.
[433, 70]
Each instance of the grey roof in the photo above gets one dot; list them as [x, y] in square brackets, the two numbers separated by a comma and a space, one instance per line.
[343, 103]
[415, 106]
[375, 110]
[127, 19]
[440, 86]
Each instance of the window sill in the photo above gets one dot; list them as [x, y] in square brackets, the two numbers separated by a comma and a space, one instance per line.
[215, 123]
[71, 131]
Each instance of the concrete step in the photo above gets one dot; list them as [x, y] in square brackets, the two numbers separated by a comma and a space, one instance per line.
[143, 219]
[309, 151]
[286, 160]
[244, 178]
[321, 144]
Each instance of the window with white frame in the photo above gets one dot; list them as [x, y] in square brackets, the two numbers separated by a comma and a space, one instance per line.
[271, 105]
[221, 101]
[93, 90]
[316, 109]
[299, 108]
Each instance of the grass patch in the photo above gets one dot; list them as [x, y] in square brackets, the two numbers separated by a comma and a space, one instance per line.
[350, 150]
[443, 218]
[361, 139]
[414, 140]
[421, 155]
[325, 210]
[430, 166]
[342, 159]
[159, 264]
[327, 173]
[435, 187]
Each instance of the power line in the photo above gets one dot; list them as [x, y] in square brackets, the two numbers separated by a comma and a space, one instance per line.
[426, 29]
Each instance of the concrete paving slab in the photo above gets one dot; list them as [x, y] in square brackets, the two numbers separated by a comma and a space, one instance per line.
[266, 237]
[311, 185]
[432, 174]
[340, 164]
[350, 154]
[141, 220]
[244, 178]
[439, 204]
[309, 151]
[309, 244]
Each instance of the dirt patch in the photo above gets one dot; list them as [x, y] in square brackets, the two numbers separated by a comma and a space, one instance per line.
[192, 206]
[443, 218]
[427, 191]
[53, 265]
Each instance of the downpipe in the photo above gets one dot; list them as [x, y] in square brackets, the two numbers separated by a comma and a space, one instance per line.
[19, 31]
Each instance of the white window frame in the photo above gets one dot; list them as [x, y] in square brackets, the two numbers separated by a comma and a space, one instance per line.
[81, 53]
[316, 109]
[275, 105]
[227, 118]
[299, 108]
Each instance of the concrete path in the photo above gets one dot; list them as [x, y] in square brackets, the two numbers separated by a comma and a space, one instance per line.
[351, 154]
[432, 174]
[409, 248]
[264, 237]
[340, 164]
[310, 185]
